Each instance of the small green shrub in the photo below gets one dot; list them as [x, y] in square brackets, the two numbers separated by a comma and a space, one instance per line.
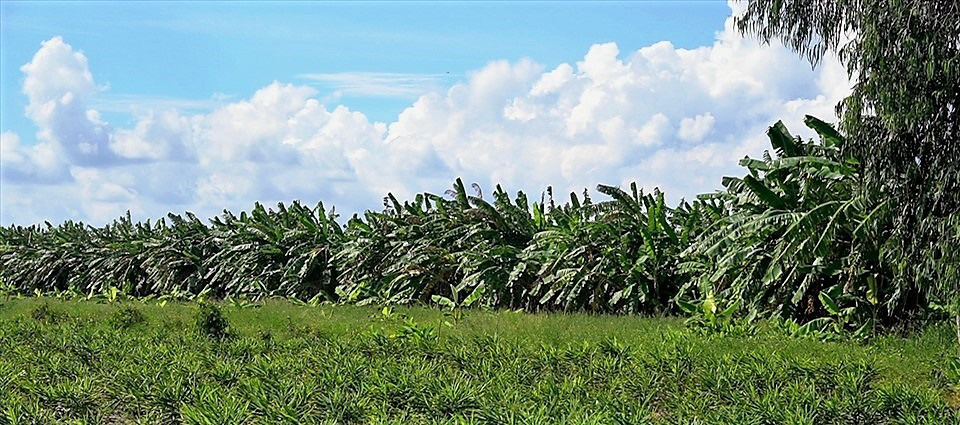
[126, 318]
[713, 316]
[43, 313]
[211, 322]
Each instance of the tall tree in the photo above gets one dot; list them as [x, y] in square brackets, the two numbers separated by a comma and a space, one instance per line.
[901, 118]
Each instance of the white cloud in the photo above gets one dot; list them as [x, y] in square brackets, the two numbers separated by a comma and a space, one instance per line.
[57, 84]
[157, 135]
[377, 84]
[694, 129]
[56, 72]
[127, 103]
[662, 116]
[38, 163]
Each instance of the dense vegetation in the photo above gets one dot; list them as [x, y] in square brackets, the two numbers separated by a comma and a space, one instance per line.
[854, 230]
[794, 238]
[131, 362]
[901, 118]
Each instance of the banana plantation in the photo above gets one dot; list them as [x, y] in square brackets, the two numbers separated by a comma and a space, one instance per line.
[820, 284]
[798, 237]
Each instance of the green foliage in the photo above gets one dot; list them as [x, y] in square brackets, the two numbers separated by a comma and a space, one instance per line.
[500, 367]
[901, 122]
[211, 408]
[800, 237]
[211, 322]
[127, 317]
[44, 314]
[283, 252]
[709, 316]
[619, 255]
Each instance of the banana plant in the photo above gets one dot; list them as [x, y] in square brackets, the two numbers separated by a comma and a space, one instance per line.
[795, 226]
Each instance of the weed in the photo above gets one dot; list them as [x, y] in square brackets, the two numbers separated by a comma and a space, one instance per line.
[127, 317]
[211, 322]
[44, 314]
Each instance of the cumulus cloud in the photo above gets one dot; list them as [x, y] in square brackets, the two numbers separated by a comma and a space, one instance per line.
[662, 116]
[57, 84]
[694, 129]
[35, 163]
[158, 135]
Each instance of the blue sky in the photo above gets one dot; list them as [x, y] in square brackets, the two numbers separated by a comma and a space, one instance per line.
[171, 106]
[192, 51]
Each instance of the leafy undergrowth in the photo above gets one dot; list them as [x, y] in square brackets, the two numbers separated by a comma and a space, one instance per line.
[132, 362]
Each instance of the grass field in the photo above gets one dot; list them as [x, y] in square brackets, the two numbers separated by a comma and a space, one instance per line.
[131, 362]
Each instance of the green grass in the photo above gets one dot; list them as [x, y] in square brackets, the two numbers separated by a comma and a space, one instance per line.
[133, 362]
